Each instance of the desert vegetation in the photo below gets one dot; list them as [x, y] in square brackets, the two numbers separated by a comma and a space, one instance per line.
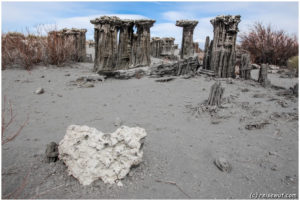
[267, 45]
[25, 51]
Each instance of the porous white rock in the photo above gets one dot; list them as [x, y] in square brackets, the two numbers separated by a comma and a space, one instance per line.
[90, 154]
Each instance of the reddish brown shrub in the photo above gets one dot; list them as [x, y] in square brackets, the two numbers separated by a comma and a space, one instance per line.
[269, 46]
[23, 51]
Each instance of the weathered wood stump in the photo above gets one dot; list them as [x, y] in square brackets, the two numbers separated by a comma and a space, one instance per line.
[263, 75]
[215, 95]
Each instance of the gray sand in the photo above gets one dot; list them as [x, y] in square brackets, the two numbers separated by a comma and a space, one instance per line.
[180, 146]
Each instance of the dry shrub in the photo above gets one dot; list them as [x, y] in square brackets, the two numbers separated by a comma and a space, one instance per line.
[60, 48]
[293, 63]
[23, 51]
[269, 46]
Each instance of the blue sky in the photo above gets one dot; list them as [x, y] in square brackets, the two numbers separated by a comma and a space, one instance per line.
[16, 16]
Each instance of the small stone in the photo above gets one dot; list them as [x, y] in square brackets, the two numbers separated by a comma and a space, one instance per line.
[288, 180]
[59, 95]
[256, 125]
[273, 153]
[87, 85]
[229, 81]
[215, 121]
[68, 74]
[39, 91]
[165, 79]
[120, 184]
[259, 95]
[245, 90]
[282, 103]
[223, 165]
[274, 167]
[52, 152]
[118, 122]
[42, 76]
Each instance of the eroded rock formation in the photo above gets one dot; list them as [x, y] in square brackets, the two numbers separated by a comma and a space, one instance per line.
[187, 44]
[216, 94]
[263, 75]
[90, 154]
[156, 47]
[163, 47]
[132, 50]
[105, 36]
[72, 39]
[167, 47]
[141, 55]
[220, 54]
[207, 53]
[245, 66]
[78, 36]
[196, 47]
[124, 47]
[183, 67]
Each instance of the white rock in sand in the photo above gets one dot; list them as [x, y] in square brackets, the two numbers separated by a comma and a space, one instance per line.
[39, 91]
[90, 154]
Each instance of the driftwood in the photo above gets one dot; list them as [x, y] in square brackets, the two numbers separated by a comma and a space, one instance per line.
[215, 95]
[206, 72]
[182, 67]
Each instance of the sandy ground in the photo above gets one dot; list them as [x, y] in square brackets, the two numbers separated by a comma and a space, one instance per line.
[180, 146]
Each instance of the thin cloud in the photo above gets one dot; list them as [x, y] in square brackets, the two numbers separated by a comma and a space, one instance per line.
[84, 22]
[18, 15]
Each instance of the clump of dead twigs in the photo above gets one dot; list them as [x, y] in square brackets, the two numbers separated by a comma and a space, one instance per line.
[8, 118]
[267, 45]
[27, 50]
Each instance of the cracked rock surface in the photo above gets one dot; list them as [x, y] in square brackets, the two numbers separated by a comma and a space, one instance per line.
[90, 154]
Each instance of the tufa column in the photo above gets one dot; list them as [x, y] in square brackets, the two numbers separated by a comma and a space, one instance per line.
[141, 54]
[187, 45]
[125, 44]
[106, 34]
[222, 57]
